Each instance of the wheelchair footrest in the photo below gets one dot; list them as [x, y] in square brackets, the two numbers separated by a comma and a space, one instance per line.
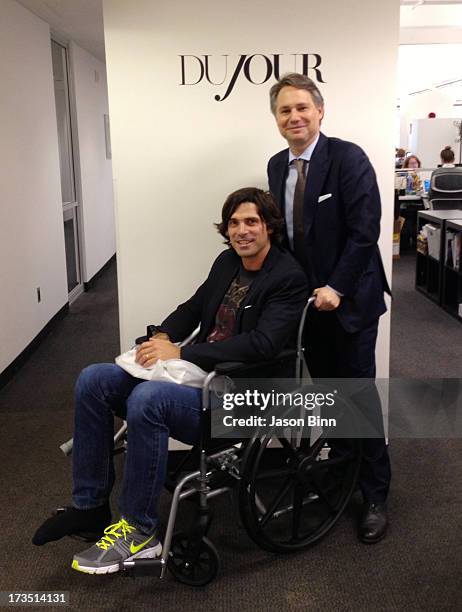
[143, 567]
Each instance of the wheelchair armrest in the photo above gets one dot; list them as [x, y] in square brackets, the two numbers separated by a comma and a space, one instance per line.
[151, 329]
[231, 367]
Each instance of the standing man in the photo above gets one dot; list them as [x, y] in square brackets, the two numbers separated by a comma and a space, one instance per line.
[327, 191]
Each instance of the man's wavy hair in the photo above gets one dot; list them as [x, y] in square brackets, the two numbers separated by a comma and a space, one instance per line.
[266, 207]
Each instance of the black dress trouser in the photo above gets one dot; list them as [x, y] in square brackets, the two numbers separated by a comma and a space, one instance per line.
[331, 352]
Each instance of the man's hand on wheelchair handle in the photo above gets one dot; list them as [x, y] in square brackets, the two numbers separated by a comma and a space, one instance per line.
[326, 298]
[158, 347]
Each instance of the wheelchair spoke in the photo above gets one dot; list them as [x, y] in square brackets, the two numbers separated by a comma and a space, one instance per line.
[259, 504]
[290, 449]
[309, 499]
[326, 464]
[275, 503]
[272, 474]
[321, 493]
[305, 444]
[305, 448]
[297, 511]
[314, 450]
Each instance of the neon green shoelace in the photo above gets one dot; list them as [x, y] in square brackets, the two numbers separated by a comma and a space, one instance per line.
[113, 533]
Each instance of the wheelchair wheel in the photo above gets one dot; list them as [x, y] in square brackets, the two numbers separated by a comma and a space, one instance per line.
[292, 506]
[194, 562]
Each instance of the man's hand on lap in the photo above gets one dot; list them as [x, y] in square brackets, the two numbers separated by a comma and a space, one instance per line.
[158, 347]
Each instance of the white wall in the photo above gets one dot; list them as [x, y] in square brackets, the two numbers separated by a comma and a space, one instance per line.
[428, 136]
[177, 152]
[433, 70]
[96, 171]
[31, 218]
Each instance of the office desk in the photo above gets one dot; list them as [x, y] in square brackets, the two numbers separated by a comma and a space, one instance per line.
[409, 206]
[410, 198]
[410, 201]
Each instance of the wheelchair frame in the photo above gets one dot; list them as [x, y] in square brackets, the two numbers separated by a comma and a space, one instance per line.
[149, 566]
[190, 556]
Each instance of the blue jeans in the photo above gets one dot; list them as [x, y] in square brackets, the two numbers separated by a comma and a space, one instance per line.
[153, 411]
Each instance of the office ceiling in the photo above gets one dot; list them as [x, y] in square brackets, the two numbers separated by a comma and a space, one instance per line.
[79, 20]
[430, 54]
[82, 20]
[428, 2]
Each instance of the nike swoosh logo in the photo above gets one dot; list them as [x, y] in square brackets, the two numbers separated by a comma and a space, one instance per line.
[134, 549]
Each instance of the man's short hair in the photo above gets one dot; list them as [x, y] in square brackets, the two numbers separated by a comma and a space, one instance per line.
[299, 81]
[266, 207]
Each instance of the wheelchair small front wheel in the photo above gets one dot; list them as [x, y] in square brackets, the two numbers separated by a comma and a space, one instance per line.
[193, 561]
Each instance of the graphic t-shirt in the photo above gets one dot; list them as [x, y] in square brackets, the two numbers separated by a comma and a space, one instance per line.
[225, 319]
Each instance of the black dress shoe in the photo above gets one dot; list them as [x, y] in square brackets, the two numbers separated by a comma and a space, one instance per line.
[373, 524]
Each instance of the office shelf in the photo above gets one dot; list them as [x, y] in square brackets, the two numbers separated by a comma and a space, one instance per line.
[451, 296]
[428, 277]
[452, 269]
[434, 278]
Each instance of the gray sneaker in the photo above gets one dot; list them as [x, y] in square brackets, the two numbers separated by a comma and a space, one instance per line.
[121, 542]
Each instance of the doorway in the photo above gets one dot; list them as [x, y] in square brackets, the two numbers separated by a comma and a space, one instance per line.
[66, 142]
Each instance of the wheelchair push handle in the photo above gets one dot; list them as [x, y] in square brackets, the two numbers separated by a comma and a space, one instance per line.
[300, 347]
[301, 325]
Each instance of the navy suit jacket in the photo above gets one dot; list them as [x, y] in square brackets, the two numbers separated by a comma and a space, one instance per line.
[267, 318]
[341, 227]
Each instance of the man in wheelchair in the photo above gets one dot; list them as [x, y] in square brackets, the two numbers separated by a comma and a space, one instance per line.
[248, 310]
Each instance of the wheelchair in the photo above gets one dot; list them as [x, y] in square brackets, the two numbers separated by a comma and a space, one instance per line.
[290, 490]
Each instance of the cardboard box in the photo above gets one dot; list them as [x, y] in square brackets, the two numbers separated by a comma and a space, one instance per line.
[397, 227]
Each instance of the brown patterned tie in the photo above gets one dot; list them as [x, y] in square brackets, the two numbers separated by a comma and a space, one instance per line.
[299, 194]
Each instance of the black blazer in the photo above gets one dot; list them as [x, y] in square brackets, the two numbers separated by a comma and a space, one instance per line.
[267, 318]
[342, 226]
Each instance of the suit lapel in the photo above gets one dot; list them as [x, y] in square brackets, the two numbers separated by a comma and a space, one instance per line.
[317, 172]
[280, 171]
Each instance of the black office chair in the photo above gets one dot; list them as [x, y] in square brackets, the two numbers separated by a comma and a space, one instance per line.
[445, 191]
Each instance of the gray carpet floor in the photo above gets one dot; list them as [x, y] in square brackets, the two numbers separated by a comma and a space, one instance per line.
[417, 566]
[426, 342]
